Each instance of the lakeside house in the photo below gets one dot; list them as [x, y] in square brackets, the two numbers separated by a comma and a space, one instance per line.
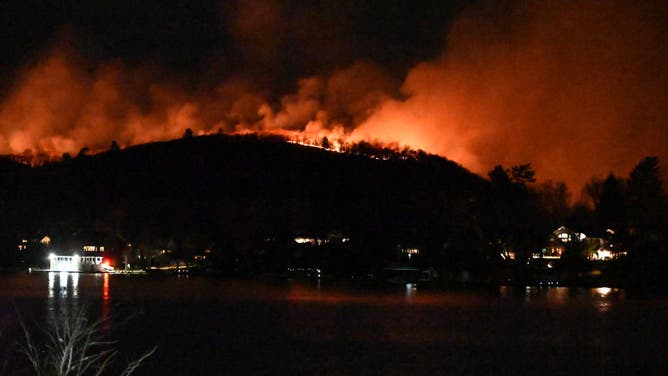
[558, 241]
[594, 248]
[77, 263]
[79, 256]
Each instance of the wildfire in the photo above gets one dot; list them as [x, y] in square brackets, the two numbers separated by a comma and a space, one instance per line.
[313, 135]
[561, 86]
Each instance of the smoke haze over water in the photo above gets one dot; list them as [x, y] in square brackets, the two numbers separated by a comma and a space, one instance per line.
[579, 89]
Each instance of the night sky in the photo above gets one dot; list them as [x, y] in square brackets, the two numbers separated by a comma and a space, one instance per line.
[578, 89]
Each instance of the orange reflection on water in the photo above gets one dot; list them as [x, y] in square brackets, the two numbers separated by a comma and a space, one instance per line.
[605, 297]
[105, 301]
[105, 286]
[402, 294]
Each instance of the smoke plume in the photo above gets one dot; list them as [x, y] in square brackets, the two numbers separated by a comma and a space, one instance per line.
[578, 89]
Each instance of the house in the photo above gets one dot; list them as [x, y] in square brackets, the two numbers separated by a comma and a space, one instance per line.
[76, 263]
[557, 242]
[594, 248]
[600, 249]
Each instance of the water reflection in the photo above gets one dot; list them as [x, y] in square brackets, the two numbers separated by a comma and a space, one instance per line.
[63, 295]
[63, 283]
[75, 285]
[52, 281]
[303, 326]
[411, 290]
[65, 291]
[603, 291]
[105, 287]
[603, 299]
[105, 301]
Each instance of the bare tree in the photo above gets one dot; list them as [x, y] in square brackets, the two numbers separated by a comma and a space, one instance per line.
[74, 346]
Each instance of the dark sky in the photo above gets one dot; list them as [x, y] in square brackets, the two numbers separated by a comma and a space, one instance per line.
[281, 40]
[576, 88]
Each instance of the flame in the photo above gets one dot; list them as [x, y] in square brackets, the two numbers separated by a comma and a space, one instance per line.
[62, 108]
[577, 90]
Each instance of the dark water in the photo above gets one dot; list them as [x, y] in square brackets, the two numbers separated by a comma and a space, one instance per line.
[218, 327]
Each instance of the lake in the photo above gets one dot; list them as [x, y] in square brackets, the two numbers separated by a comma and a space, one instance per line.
[218, 327]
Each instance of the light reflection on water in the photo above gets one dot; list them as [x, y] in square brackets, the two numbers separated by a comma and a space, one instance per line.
[304, 326]
[603, 299]
[75, 285]
[411, 290]
[64, 293]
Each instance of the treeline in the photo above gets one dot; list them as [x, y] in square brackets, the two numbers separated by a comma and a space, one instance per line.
[371, 149]
[629, 212]
[635, 210]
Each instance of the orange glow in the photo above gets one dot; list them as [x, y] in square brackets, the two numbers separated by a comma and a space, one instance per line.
[106, 302]
[105, 286]
[575, 90]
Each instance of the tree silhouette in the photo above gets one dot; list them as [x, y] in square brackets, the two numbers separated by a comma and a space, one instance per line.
[114, 148]
[554, 200]
[499, 177]
[611, 209]
[644, 181]
[646, 202]
[517, 220]
[522, 174]
[83, 152]
[593, 189]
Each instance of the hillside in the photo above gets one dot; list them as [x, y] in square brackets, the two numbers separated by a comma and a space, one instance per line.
[216, 191]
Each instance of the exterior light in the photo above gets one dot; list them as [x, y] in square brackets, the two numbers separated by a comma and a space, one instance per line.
[301, 240]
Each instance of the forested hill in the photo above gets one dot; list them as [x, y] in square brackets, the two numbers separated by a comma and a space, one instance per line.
[201, 191]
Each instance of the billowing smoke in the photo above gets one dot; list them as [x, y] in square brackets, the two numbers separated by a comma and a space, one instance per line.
[60, 106]
[578, 89]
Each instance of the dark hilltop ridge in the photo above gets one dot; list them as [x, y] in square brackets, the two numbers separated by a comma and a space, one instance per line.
[208, 191]
[249, 204]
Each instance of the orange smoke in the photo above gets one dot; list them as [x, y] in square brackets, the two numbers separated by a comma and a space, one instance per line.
[578, 89]
[60, 106]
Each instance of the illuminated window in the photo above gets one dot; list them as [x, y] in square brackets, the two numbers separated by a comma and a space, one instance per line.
[564, 237]
[300, 240]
